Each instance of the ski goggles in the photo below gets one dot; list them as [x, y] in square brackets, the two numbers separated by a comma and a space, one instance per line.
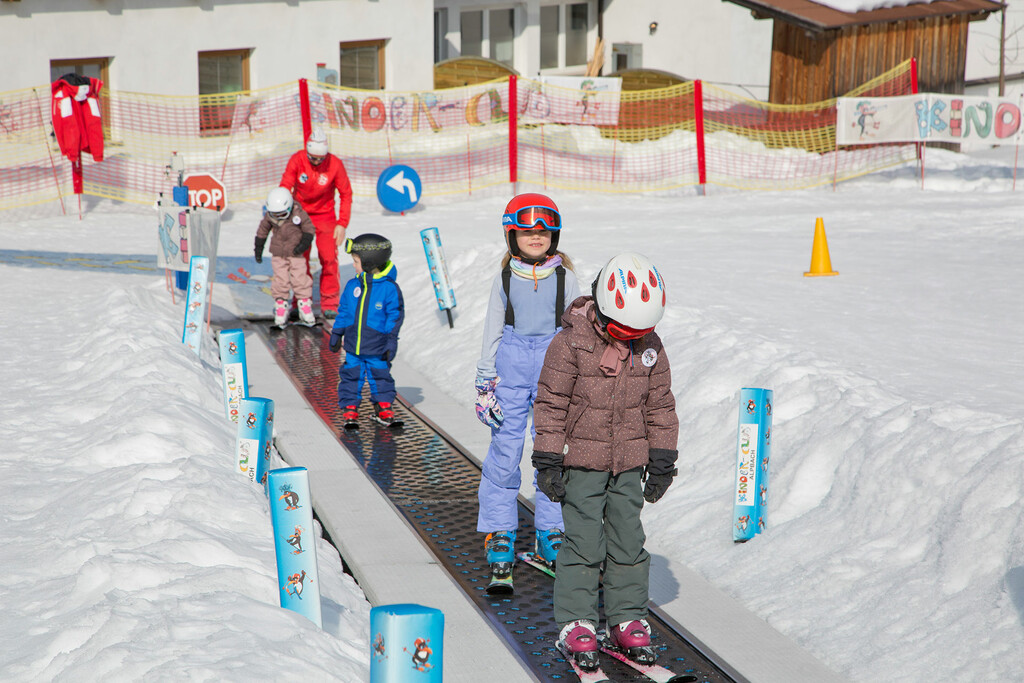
[279, 215]
[528, 217]
[624, 332]
[315, 160]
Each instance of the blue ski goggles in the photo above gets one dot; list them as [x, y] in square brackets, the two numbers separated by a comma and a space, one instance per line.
[528, 217]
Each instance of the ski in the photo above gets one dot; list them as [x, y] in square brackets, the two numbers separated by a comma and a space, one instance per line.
[532, 560]
[655, 672]
[596, 676]
[501, 584]
[297, 323]
[392, 424]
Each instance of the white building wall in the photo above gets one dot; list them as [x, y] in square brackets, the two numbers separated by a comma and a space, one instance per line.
[711, 40]
[154, 49]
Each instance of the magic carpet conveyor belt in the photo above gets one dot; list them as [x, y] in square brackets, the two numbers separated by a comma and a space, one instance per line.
[433, 483]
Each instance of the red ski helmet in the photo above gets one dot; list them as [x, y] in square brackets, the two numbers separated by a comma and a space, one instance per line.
[531, 211]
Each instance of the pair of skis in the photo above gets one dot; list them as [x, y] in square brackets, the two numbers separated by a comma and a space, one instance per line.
[654, 672]
[353, 425]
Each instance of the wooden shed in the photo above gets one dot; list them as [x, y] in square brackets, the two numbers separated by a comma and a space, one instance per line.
[461, 71]
[819, 52]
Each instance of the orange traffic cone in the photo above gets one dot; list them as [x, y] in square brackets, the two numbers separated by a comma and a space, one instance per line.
[821, 264]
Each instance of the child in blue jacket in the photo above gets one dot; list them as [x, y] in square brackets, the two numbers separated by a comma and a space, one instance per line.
[370, 313]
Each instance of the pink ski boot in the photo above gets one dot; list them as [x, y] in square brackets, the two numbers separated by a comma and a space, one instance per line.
[633, 639]
[578, 640]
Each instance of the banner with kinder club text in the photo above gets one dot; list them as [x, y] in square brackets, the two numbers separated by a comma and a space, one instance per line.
[928, 117]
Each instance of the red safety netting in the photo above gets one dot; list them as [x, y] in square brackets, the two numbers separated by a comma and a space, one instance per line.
[459, 140]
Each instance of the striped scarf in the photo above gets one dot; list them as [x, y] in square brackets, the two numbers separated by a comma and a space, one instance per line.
[534, 272]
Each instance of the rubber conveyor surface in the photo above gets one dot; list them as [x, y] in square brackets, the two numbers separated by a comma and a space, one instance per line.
[433, 484]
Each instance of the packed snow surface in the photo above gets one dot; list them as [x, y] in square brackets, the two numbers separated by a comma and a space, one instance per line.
[895, 541]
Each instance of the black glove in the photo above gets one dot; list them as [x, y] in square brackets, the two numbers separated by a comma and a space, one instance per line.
[303, 245]
[656, 486]
[659, 473]
[336, 337]
[549, 475]
[260, 241]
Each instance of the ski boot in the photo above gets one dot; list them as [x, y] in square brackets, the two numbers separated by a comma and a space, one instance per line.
[351, 417]
[500, 546]
[633, 639]
[547, 545]
[578, 641]
[306, 312]
[280, 313]
[383, 414]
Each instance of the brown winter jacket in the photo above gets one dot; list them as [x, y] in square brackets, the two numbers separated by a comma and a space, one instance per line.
[597, 422]
[287, 233]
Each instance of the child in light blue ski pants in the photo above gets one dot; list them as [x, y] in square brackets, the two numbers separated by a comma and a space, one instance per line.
[518, 363]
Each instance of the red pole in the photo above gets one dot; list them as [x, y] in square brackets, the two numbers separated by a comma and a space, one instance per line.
[307, 125]
[913, 90]
[53, 167]
[513, 129]
[698, 115]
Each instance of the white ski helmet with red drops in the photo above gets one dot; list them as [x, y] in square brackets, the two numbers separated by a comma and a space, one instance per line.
[630, 296]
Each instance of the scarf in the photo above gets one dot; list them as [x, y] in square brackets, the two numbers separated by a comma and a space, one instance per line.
[534, 272]
[614, 353]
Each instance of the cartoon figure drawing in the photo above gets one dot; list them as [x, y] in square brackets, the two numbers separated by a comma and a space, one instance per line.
[421, 655]
[294, 584]
[588, 89]
[290, 498]
[378, 645]
[751, 406]
[250, 420]
[295, 540]
[742, 523]
[764, 495]
[760, 524]
[169, 247]
[232, 348]
[865, 119]
[764, 464]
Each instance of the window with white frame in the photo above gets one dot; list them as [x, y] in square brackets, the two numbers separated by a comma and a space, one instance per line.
[440, 35]
[577, 21]
[471, 27]
[502, 35]
[564, 31]
[549, 29]
[489, 33]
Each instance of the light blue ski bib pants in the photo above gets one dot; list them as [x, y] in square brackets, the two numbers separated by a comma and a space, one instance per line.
[518, 363]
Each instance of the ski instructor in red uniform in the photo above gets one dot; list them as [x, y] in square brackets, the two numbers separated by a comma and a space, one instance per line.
[313, 175]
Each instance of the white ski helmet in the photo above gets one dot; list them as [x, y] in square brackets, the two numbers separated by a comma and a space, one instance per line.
[630, 296]
[316, 146]
[279, 203]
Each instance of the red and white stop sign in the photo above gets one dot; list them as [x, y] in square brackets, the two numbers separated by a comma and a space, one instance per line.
[206, 191]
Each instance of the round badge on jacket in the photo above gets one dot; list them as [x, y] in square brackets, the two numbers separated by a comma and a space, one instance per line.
[357, 291]
[296, 220]
[649, 358]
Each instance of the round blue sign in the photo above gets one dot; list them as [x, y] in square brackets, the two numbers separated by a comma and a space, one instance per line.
[398, 188]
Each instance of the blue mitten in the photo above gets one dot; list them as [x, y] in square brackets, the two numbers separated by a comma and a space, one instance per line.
[336, 337]
[487, 409]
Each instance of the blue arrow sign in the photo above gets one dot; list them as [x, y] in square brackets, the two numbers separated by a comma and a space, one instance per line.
[398, 188]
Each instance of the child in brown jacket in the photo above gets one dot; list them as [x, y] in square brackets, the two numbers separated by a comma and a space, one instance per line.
[606, 423]
[293, 233]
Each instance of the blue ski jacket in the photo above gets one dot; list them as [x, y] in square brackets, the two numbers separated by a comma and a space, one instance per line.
[370, 313]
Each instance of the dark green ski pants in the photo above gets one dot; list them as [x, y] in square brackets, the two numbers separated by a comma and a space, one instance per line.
[602, 525]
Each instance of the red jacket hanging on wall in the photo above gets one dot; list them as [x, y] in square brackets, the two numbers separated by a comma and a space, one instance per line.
[76, 116]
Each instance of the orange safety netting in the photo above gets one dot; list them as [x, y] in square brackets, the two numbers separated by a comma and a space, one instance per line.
[458, 140]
